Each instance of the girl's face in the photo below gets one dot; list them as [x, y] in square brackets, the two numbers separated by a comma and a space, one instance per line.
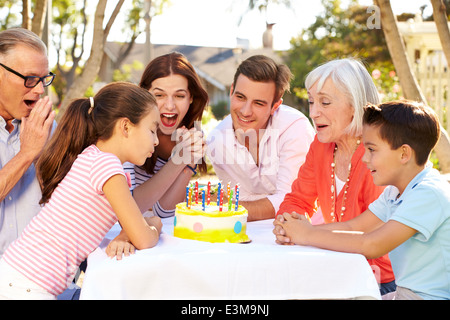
[143, 138]
[330, 111]
[173, 98]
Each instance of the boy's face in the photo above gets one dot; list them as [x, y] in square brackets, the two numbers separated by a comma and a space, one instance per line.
[383, 162]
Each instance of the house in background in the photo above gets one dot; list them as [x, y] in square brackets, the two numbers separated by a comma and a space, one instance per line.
[215, 66]
[428, 61]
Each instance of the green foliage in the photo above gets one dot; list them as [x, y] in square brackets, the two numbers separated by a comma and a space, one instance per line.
[386, 80]
[337, 33]
[8, 16]
[124, 73]
[220, 109]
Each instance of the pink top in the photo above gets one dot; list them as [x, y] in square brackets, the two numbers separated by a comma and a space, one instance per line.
[70, 226]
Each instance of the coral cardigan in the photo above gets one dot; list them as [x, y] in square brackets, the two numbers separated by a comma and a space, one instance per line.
[313, 188]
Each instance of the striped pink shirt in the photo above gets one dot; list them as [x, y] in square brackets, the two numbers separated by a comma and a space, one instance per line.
[70, 226]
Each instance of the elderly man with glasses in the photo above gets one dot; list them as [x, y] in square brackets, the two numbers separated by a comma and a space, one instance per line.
[26, 121]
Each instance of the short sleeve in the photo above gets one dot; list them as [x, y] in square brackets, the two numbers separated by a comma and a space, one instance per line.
[104, 167]
[421, 210]
[380, 207]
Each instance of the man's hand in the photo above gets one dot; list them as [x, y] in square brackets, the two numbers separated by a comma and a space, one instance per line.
[36, 128]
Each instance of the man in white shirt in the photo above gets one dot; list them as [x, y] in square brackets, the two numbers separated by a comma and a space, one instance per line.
[262, 143]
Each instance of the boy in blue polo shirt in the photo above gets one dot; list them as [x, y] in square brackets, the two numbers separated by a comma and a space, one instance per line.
[410, 219]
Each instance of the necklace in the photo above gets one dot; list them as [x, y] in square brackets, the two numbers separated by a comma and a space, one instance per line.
[334, 214]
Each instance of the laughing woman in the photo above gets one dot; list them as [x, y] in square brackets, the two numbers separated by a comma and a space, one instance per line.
[161, 182]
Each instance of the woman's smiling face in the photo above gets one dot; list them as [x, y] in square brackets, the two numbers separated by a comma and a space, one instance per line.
[173, 98]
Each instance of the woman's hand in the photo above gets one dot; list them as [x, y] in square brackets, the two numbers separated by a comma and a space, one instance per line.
[190, 147]
[279, 232]
[289, 228]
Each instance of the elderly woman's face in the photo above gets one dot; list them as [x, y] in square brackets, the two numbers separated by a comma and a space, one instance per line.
[330, 111]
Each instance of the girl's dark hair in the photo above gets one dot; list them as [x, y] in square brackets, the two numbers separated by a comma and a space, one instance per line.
[164, 66]
[405, 122]
[81, 126]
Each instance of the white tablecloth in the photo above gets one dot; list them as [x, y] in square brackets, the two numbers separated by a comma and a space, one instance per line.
[188, 269]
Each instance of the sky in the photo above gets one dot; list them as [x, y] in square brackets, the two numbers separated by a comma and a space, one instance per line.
[215, 22]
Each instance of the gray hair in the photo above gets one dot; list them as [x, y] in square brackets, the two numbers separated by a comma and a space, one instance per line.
[351, 78]
[10, 38]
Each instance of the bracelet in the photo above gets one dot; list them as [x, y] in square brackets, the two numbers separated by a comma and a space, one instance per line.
[193, 169]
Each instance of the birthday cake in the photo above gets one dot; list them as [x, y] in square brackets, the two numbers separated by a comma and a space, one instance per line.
[210, 221]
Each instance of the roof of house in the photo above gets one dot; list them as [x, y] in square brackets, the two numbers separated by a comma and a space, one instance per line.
[214, 64]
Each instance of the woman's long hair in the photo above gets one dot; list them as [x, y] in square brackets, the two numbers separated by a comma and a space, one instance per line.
[84, 122]
[176, 63]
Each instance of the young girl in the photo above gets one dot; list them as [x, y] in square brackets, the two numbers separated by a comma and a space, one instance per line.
[161, 182]
[84, 191]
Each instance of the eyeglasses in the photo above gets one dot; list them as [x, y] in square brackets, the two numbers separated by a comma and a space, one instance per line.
[33, 81]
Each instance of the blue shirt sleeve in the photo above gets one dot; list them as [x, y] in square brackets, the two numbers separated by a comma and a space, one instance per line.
[421, 210]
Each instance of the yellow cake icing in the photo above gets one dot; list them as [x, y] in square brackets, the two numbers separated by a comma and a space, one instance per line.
[210, 225]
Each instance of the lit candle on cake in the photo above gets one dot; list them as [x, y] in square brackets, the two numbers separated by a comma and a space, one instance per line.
[203, 200]
[221, 201]
[218, 193]
[228, 189]
[187, 195]
[230, 200]
[196, 192]
[237, 198]
[190, 198]
[209, 193]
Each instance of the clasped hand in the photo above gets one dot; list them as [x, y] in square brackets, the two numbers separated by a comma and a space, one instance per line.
[291, 228]
[190, 146]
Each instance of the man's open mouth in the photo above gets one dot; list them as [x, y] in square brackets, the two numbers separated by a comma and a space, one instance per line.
[30, 103]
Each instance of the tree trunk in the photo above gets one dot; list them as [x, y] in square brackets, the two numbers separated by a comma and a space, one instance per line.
[40, 10]
[26, 12]
[440, 18]
[92, 66]
[407, 79]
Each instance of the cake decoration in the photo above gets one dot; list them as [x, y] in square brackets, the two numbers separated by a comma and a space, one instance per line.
[211, 221]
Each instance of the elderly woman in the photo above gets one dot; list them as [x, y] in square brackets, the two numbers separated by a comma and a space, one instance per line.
[333, 175]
